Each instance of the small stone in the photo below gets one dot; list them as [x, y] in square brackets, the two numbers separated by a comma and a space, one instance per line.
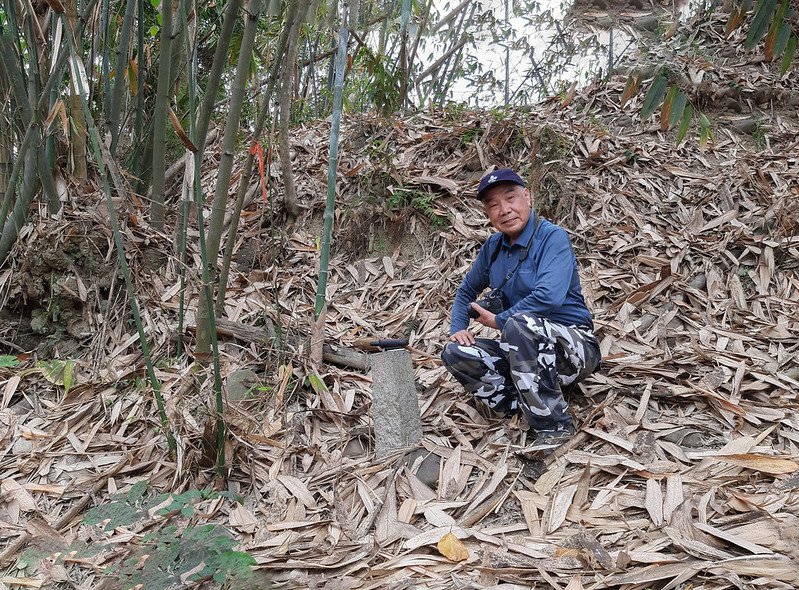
[685, 437]
[354, 448]
[23, 406]
[239, 384]
[649, 22]
[428, 469]
[644, 446]
[22, 446]
[748, 125]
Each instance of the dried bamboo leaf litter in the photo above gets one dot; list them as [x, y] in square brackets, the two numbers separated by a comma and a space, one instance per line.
[686, 466]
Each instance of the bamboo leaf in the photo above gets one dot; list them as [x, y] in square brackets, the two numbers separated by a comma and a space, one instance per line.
[763, 463]
[452, 548]
[777, 24]
[133, 76]
[789, 51]
[569, 96]
[687, 115]
[771, 39]
[54, 112]
[653, 501]
[632, 86]
[782, 39]
[665, 111]
[318, 385]
[763, 16]
[58, 372]
[180, 132]
[677, 109]
[704, 135]
[654, 97]
[736, 17]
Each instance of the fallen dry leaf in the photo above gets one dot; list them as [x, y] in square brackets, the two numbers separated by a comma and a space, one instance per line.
[452, 548]
[764, 463]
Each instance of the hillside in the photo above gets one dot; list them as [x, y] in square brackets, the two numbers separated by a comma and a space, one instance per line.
[684, 470]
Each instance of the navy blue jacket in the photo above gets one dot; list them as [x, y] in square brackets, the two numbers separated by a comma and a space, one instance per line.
[546, 284]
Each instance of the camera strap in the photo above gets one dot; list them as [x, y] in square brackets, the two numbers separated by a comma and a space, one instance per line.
[536, 222]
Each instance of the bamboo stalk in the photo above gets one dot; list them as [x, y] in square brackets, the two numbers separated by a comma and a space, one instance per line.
[33, 130]
[77, 131]
[432, 68]
[140, 69]
[285, 100]
[417, 39]
[215, 75]
[225, 168]
[507, 55]
[444, 78]
[404, 65]
[188, 177]
[16, 78]
[22, 205]
[162, 95]
[36, 170]
[115, 100]
[94, 137]
[248, 165]
[330, 202]
[49, 154]
[105, 19]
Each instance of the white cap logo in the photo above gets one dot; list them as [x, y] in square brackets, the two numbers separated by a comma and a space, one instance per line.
[492, 178]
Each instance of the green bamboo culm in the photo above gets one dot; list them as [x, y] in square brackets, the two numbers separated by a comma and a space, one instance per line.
[115, 98]
[263, 115]
[162, 95]
[138, 130]
[94, 138]
[215, 74]
[193, 171]
[208, 294]
[105, 18]
[191, 83]
[32, 132]
[232, 123]
[330, 202]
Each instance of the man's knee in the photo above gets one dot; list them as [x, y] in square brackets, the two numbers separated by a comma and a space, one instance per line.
[450, 354]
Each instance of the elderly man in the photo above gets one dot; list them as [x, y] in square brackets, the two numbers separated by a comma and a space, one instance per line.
[546, 339]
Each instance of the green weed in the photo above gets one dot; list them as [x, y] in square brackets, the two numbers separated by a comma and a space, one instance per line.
[179, 553]
[403, 198]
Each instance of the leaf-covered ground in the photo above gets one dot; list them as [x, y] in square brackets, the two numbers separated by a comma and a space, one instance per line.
[684, 469]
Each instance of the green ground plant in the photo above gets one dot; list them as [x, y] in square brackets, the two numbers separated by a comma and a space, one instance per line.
[421, 201]
[184, 552]
[175, 549]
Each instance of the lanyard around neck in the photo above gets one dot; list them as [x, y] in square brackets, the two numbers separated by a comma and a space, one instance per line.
[536, 222]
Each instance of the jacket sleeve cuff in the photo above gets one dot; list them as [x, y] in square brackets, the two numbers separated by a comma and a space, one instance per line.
[501, 318]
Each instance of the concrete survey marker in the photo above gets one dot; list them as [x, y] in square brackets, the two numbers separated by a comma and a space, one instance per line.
[395, 406]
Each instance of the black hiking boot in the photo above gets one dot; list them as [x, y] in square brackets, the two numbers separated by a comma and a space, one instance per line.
[547, 441]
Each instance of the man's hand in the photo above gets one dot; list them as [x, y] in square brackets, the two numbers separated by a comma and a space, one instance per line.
[463, 337]
[484, 316]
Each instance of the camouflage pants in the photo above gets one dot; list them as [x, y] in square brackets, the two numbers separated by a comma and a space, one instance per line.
[526, 368]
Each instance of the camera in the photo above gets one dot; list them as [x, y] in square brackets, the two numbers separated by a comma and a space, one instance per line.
[496, 302]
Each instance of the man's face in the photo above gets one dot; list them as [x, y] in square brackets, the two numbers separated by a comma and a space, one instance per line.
[507, 206]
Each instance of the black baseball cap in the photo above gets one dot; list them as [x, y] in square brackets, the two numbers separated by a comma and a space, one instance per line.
[496, 177]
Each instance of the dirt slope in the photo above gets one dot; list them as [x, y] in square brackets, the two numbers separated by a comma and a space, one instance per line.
[685, 467]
